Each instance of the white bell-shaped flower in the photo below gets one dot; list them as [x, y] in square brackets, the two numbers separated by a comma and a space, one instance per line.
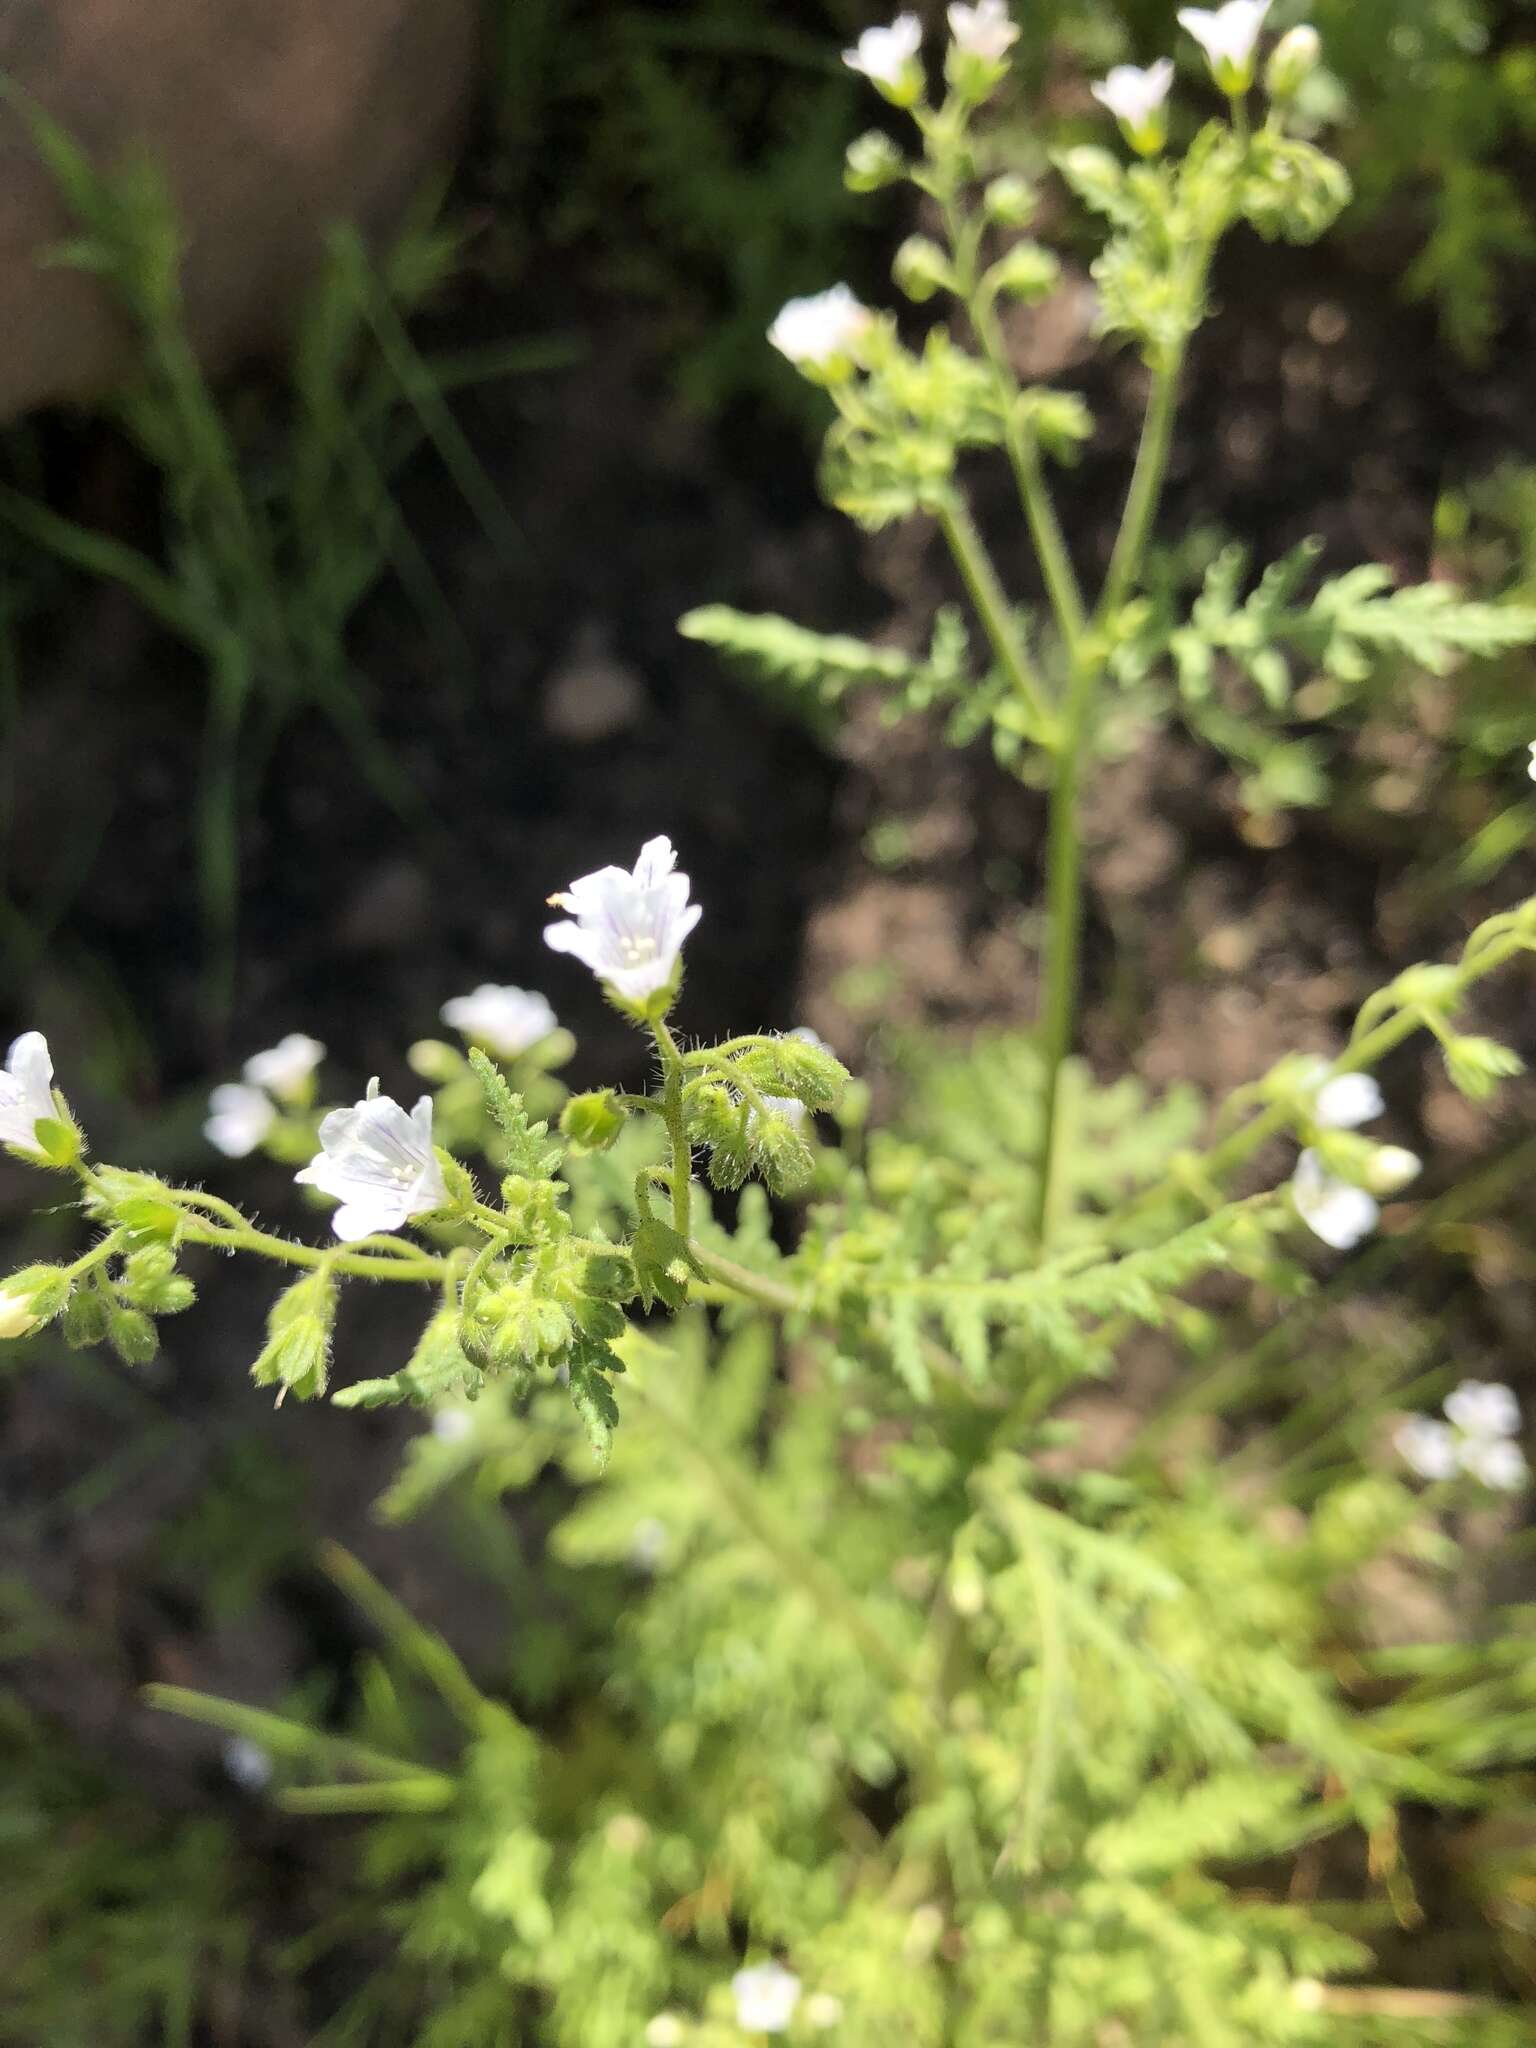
[766, 1997]
[887, 57]
[379, 1164]
[1341, 1215]
[506, 1021]
[1347, 1101]
[287, 1068]
[1229, 36]
[1137, 98]
[239, 1118]
[821, 331]
[26, 1093]
[629, 928]
[986, 30]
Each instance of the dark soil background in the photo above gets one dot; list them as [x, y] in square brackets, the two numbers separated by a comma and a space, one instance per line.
[164, 1522]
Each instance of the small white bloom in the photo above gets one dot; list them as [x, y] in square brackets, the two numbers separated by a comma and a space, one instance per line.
[766, 1997]
[822, 2009]
[1392, 1168]
[822, 329]
[1497, 1461]
[628, 928]
[1228, 35]
[26, 1093]
[238, 1118]
[1531, 768]
[506, 1021]
[16, 1317]
[664, 2031]
[247, 1763]
[379, 1164]
[983, 31]
[1339, 1214]
[1136, 97]
[1347, 1101]
[1483, 1408]
[1427, 1446]
[885, 55]
[285, 1069]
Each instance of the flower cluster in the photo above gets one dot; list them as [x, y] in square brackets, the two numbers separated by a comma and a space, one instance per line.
[1229, 36]
[1338, 1210]
[241, 1114]
[1478, 1437]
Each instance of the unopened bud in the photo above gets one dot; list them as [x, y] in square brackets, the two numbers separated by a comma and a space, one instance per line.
[1292, 61]
[1392, 1169]
[1027, 272]
[873, 161]
[1010, 201]
[921, 269]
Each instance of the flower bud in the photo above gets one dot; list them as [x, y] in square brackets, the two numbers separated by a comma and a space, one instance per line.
[1027, 272]
[16, 1317]
[1292, 61]
[592, 1122]
[873, 162]
[436, 1062]
[296, 1355]
[1392, 1170]
[1010, 201]
[132, 1335]
[921, 269]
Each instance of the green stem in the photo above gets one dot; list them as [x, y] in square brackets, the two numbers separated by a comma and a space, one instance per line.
[362, 1265]
[677, 1129]
[1146, 487]
[975, 566]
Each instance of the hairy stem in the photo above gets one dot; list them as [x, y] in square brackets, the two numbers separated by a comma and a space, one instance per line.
[986, 593]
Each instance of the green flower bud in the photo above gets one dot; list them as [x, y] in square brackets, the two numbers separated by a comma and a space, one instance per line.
[1292, 61]
[593, 1122]
[1010, 202]
[873, 161]
[296, 1356]
[921, 268]
[132, 1335]
[1027, 272]
[152, 1283]
[1477, 1065]
[436, 1062]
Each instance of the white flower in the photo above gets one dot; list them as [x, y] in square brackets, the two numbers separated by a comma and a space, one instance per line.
[247, 1763]
[506, 1021]
[822, 2009]
[821, 330]
[1531, 768]
[1228, 35]
[766, 1997]
[16, 1317]
[1483, 1408]
[664, 2031]
[1347, 1101]
[983, 31]
[285, 1069]
[379, 1164]
[629, 928]
[1339, 1214]
[1427, 1446]
[1136, 97]
[452, 1425]
[26, 1093]
[239, 1118]
[887, 56]
[1497, 1461]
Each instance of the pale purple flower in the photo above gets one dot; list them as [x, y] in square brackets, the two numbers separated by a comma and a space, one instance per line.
[238, 1118]
[985, 30]
[287, 1068]
[766, 1997]
[1136, 98]
[1229, 36]
[379, 1164]
[26, 1094]
[820, 330]
[629, 928]
[506, 1021]
[1341, 1215]
[887, 57]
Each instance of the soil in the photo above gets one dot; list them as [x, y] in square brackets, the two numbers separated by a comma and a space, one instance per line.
[1318, 403]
